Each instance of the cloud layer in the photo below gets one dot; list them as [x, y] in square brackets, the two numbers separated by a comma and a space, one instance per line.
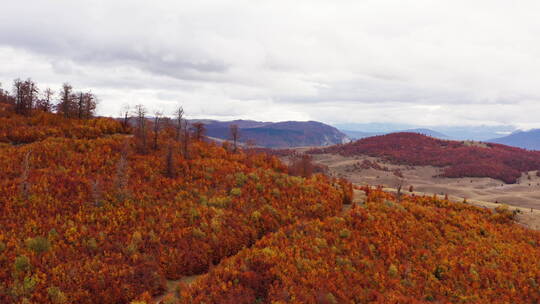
[420, 61]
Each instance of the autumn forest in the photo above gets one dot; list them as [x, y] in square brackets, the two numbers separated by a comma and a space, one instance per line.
[112, 210]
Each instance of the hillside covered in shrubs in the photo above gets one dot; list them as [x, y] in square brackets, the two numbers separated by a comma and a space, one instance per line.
[91, 212]
[417, 250]
[459, 159]
[98, 210]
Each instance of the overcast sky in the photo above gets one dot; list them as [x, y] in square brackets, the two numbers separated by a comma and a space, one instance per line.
[422, 62]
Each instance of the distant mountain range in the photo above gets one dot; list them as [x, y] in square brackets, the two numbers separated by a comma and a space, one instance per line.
[523, 139]
[427, 132]
[277, 134]
[481, 133]
[288, 134]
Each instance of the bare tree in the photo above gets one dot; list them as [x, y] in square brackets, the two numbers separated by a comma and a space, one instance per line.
[86, 105]
[17, 91]
[25, 96]
[141, 128]
[90, 102]
[399, 185]
[5, 97]
[126, 116]
[31, 92]
[235, 134]
[186, 140]
[157, 122]
[66, 106]
[198, 130]
[179, 116]
[45, 104]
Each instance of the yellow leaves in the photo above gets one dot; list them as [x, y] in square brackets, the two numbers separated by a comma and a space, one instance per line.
[71, 234]
[56, 295]
[198, 233]
[344, 233]
[393, 271]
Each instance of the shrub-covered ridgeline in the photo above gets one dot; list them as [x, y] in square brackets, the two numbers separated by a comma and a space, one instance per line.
[461, 159]
[421, 250]
[27, 116]
[17, 130]
[105, 218]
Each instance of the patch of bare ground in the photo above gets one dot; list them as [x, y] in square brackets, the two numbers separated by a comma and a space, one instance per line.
[172, 287]
[358, 198]
[484, 192]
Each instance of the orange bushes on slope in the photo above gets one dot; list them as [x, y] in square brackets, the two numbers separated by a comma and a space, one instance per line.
[17, 129]
[90, 221]
[421, 250]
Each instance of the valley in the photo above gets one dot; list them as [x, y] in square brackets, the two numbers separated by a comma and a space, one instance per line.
[363, 169]
[525, 193]
[269, 152]
[484, 192]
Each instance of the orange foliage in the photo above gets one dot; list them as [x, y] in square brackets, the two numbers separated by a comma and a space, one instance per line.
[86, 219]
[99, 223]
[417, 251]
[17, 129]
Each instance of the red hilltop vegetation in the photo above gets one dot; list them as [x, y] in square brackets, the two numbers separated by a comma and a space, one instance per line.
[459, 158]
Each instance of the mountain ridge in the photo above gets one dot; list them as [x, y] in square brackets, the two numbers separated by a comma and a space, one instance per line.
[529, 140]
[284, 134]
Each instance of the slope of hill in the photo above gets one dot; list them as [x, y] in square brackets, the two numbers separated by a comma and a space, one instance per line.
[280, 134]
[522, 139]
[459, 159]
[95, 212]
[96, 219]
[417, 250]
[17, 130]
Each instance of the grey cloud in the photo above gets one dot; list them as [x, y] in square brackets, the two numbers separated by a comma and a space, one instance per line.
[324, 60]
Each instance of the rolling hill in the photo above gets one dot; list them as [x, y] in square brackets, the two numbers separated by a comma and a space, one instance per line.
[457, 158]
[522, 139]
[91, 213]
[280, 134]
[385, 250]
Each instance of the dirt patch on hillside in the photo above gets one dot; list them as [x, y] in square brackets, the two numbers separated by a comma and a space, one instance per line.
[172, 288]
